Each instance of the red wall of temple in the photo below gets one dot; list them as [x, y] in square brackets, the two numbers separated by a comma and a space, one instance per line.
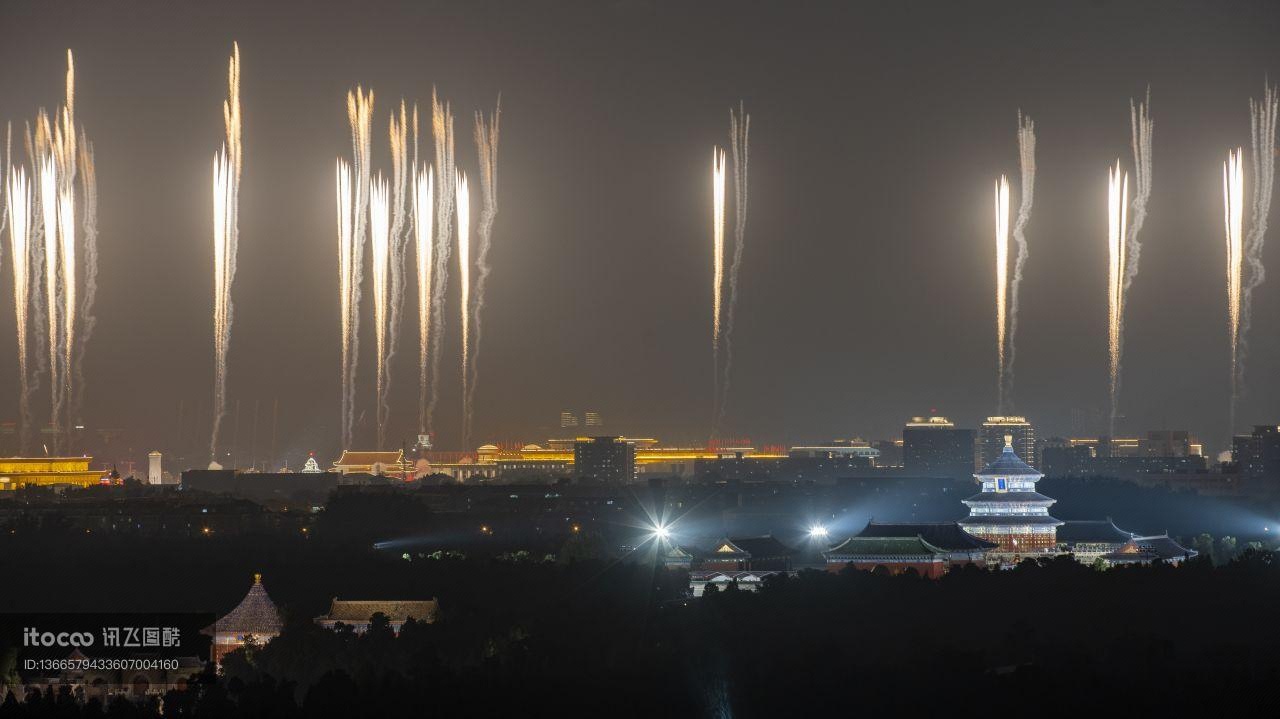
[1028, 543]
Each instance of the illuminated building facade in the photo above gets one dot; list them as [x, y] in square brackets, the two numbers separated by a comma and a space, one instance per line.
[1009, 511]
[991, 440]
[358, 614]
[375, 463]
[1258, 454]
[18, 472]
[604, 459]
[933, 447]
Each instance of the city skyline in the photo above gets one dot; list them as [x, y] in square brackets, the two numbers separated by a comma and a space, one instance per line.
[599, 268]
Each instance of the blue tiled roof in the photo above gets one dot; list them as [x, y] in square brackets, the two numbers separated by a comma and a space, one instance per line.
[1008, 464]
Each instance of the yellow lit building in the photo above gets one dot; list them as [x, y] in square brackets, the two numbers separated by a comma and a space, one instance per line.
[556, 456]
[18, 472]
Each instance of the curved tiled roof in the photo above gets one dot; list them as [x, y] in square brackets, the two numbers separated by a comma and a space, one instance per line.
[755, 547]
[358, 611]
[1009, 497]
[1009, 464]
[947, 535]
[1038, 520]
[884, 547]
[255, 614]
[1092, 530]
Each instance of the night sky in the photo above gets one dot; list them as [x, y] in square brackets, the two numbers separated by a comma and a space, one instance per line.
[867, 292]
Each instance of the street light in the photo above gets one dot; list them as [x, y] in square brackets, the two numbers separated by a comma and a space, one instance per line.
[818, 531]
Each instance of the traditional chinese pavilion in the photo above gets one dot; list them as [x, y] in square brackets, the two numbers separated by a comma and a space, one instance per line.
[255, 616]
[1009, 511]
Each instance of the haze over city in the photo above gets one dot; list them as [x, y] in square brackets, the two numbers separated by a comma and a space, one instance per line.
[866, 285]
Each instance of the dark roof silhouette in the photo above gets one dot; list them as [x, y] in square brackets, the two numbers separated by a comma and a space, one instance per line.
[884, 547]
[1092, 530]
[1008, 464]
[1147, 549]
[946, 535]
[756, 547]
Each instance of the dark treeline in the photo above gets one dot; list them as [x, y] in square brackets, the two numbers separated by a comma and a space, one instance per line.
[599, 637]
[560, 625]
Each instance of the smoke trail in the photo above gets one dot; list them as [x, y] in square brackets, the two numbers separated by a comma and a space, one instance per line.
[1027, 169]
[717, 272]
[1117, 270]
[442, 134]
[401, 167]
[359, 115]
[1262, 131]
[486, 134]
[1002, 285]
[380, 256]
[464, 282]
[1141, 129]
[36, 261]
[423, 204]
[739, 132]
[5, 158]
[1233, 223]
[89, 186]
[18, 211]
[227, 163]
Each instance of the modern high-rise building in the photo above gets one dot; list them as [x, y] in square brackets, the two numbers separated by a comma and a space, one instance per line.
[933, 447]
[568, 419]
[604, 459]
[1258, 454]
[1169, 443]
[991, 440]
[593, 419]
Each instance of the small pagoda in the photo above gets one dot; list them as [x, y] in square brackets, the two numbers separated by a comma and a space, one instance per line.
[256, 617]
[1009, 511]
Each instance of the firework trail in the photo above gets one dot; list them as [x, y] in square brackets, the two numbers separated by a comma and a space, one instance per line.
[18, 210]
[353, 207]
[423, 204]
[89, 186]
[4, 182]
[1117, 271]
[348, 282]
[464, 282]
[717, 263]
[1027, 169]
[1002, 285]
[399, 239]
[486, 135]
[739, 132]
[1233, 221]
[48, 193]
[1262, 127]
[442, 134]
[380, 257]
[227, 164]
